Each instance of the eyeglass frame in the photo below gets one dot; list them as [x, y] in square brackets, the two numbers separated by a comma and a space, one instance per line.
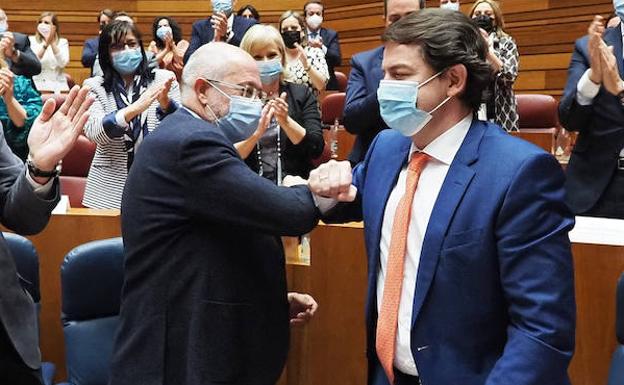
[256, 93]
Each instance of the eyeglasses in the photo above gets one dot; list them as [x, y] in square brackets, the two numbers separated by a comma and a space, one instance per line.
[247, 91]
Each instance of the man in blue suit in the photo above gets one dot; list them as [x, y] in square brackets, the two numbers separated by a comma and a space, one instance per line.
[91, 46]
[361, 112]
[204, 299]
[595, 174]
[466, 228]
[223, 25]
[323, 38]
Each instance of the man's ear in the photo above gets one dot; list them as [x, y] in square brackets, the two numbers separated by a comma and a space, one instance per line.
[201, 88]
[458, 80]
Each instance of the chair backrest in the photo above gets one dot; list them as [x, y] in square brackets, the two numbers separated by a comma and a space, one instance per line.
[26, 262]
[74, 187]
[91, 282]
[342, 81]
[616, 372]
[78, 160]
[537, 111]
[332, 108]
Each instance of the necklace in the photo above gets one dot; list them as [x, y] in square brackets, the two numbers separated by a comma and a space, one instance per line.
[279, 155]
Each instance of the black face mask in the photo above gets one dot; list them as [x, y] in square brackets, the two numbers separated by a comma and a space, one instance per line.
[291, 37]
[485, 22]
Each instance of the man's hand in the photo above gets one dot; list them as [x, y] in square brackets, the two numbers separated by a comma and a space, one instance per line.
[219, 23]
[317, 43]
[53, 134]
[7, 45]
[611, 79]
[594, 46]
[333, 180]
[301, 308]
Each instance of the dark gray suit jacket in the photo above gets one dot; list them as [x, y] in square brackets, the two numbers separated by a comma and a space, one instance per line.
[28, 64]
[22, 211]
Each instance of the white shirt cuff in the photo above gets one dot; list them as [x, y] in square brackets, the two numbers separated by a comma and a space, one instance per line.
[41, 190]
[324, 204]
[324, 48]
[120, 119]
[586, 90]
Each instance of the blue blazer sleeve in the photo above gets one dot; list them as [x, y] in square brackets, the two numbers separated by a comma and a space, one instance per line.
[540, 336]
[333, 55]
[223, 184]
[196, 40]
[572, 115]
[361, 112]
[89, 52]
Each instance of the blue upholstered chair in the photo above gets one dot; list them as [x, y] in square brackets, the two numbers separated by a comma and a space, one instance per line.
[616, 373]
[27, 264]
[91, 281]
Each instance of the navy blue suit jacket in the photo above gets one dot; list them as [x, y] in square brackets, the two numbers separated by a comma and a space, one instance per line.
[333, 56]
[494, 299]
[204, 299]
[600, 129]
[90, 52]
[361, 112]
[204, 33]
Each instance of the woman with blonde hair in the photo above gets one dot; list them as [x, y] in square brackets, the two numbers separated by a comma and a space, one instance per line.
[294, 136]
[306, 64]
[503, 56]
[53, 53]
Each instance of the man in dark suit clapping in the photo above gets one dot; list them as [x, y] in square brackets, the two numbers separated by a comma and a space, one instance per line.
[204, 299]
[28, 193]
[223, 26]
[323, 38]
[15, 48]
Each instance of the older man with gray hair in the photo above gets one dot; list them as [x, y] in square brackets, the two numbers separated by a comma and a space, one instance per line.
[204, 299]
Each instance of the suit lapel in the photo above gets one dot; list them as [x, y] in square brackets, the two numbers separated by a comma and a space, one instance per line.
[457, 180]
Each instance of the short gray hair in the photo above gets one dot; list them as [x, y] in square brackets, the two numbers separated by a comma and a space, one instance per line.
[209, 62]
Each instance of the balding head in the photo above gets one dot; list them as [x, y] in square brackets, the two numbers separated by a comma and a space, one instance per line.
[216, 61]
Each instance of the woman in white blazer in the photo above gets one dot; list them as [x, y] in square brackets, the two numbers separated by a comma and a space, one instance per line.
[130, 101]
[53, 53]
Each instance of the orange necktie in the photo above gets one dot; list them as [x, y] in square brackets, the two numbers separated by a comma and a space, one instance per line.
[389, 311]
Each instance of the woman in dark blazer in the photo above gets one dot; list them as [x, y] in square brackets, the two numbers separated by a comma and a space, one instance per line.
[293, 135]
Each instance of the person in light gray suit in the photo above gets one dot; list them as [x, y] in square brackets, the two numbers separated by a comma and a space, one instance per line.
[28, 193]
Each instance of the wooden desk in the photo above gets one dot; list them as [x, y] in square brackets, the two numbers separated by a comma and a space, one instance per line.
[331, 349]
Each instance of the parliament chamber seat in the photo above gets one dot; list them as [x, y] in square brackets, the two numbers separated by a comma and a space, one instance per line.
[27, 264]
[538, 120]
[342, 81]
[75, 169]
[91, 282]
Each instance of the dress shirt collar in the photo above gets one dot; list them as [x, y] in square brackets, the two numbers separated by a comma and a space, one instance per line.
[445, 147]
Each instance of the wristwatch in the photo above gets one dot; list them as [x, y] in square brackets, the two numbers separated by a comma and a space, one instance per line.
[37, 172]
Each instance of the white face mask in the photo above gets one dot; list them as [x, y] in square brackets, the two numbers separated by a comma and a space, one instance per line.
[314, 21]
[44, 29]
[4, 26]
[451, 6]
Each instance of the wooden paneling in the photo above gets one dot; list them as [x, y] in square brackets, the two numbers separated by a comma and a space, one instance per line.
[545, 30]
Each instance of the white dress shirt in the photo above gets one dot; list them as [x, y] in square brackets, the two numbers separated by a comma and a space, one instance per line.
[586, 90]
[442, 151]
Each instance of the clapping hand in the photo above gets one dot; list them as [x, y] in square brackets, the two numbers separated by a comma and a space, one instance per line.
[317, 43]
[611, 79]
[280, 106]
[301, 308]
[7, 45]
[333, 180]
[595, 45]
[163, 95]
[53, 134]
[219, 23]
[303, 57]
[6, 84]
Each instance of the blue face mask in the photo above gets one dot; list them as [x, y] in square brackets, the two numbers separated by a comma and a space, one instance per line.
[163, 31]
[127, 61]
[224, 6]
[398, 101]
[270, 70]
[619, 8]
[242, 119]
